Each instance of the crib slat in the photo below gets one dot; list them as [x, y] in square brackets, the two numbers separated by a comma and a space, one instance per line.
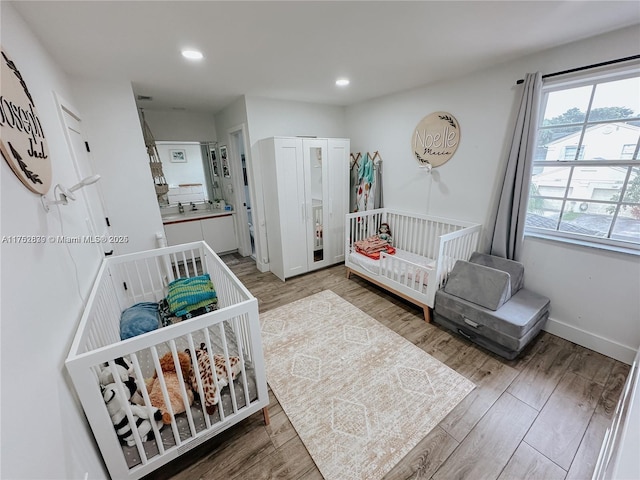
[241, 347]
[225, 349]
[165, 395]
[207, 340]
[147, 401]
[126, 406]
[198, 377]
[183, 389]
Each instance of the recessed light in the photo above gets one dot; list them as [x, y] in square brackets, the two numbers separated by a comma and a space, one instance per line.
[192, 54]
[342, 82]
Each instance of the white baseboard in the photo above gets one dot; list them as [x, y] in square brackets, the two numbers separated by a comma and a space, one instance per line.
[262, 267]
[602, 345]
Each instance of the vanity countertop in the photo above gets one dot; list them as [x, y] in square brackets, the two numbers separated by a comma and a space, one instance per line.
[188, 215]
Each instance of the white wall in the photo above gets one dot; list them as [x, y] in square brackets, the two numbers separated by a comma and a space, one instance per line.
[117, 145]
[272, 118]
[44, 432]
[181, 125]
[595, 296]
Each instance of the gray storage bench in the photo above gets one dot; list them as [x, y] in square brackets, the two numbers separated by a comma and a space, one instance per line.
[485, 301]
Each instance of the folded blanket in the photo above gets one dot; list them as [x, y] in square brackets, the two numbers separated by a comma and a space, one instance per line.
[138, 319]
[376, 255]
[167, 318]
[188, 294]
[371, 245]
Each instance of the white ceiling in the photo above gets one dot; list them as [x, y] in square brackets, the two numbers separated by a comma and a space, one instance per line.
[295, 50]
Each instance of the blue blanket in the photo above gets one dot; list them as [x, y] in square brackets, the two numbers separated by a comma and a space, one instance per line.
[138, 319]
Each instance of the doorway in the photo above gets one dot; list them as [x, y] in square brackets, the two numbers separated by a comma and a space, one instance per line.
[97, 221]
[243, 187]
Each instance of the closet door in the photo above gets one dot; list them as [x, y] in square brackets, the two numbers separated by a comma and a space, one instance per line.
[338, 198]
[291, 203]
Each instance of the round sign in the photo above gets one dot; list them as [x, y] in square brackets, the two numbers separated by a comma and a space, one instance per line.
[22, 141]
[436, 139]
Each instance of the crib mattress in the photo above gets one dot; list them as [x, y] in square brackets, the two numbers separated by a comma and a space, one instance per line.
[373, 266]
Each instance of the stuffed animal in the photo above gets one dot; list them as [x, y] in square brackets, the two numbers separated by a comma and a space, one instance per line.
[173, 386]
[124, 369]
[384, 233]
[116, 407]
[211, 394]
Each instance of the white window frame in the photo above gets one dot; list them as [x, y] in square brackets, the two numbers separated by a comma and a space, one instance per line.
[577, 80]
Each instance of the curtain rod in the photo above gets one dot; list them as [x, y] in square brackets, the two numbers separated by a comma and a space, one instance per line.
[587, 67]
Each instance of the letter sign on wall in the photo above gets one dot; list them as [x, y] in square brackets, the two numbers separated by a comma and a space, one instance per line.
[436, 139]
[22, 141]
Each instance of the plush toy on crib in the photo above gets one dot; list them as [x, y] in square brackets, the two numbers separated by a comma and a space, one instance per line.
[124, 370]
[173, 385]
[115, 403]
[384, 233]
[211, 394]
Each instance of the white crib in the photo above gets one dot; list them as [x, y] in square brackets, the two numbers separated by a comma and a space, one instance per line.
[426, 250]
[231, 330]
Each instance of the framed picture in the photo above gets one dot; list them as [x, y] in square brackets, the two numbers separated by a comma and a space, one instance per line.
[178, 156]
[225, 161]
[214, 162]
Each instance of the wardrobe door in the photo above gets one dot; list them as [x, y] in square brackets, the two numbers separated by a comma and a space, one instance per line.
[283, 192]
[338, 198]
[291, 202]
[317, 211]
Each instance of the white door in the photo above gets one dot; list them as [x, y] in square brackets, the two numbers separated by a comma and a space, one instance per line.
[338, 198]
[98, 222]
[291, 199]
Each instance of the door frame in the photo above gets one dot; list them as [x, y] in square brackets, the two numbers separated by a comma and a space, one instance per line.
[242, 219]
[98, 220]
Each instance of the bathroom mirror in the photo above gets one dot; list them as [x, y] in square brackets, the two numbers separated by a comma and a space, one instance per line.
[192, 172]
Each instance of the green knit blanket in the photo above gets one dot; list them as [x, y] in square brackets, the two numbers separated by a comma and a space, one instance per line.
[188, 294]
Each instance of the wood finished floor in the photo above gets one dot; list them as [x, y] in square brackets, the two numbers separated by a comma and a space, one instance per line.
[541, 416]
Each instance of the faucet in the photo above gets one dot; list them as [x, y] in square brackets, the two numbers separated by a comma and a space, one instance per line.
[180, 208]
[193, 207]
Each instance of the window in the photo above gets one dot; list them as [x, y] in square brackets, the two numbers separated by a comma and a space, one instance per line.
[585, 183]
[627, 151]
[571, 150]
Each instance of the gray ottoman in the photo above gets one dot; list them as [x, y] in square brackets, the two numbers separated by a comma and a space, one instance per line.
[484, 301]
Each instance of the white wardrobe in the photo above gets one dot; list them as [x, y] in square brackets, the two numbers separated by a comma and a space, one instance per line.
[306, 194]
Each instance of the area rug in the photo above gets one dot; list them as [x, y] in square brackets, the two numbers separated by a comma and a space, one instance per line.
[359, 395]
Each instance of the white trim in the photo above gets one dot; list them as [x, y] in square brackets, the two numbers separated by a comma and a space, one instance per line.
[583, 241]
[605, 346]
[242, 219]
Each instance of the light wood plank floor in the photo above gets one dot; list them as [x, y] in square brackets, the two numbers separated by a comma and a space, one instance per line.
[541, 416]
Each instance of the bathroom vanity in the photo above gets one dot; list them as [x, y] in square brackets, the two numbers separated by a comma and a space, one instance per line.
[216, 227]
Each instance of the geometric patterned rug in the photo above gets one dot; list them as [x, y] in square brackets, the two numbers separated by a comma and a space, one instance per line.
[359, 395]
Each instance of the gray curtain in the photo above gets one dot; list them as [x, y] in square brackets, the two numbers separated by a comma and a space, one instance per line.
[509, 227]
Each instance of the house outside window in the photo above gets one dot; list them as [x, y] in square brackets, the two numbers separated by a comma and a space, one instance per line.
[585, 182]
[571, 150]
